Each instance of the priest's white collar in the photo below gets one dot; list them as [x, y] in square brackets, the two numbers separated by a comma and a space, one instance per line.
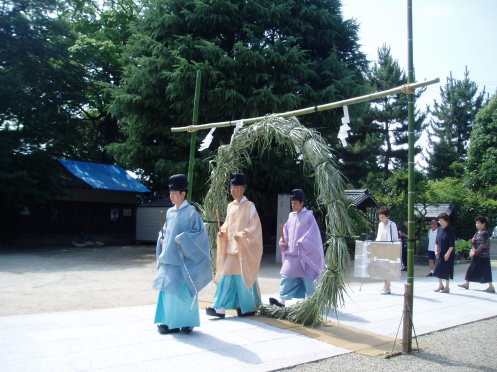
[302, 210]
[241, 200]
[184, 204]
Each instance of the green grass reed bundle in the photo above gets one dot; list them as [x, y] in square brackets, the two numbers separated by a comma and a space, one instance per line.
[329, 185]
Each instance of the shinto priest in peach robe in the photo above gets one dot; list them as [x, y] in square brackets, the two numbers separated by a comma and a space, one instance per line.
[238, 262]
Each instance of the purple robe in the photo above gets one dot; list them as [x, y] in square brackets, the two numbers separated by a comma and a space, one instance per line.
[304, 255]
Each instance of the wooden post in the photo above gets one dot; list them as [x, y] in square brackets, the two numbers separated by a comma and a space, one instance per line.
[406, 318]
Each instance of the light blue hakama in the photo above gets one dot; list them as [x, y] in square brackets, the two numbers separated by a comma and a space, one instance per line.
[176, 310]
[291, 287]
[231, 293]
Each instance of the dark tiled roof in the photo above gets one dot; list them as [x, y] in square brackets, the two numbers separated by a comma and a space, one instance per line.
[361, 198]
[433, 210]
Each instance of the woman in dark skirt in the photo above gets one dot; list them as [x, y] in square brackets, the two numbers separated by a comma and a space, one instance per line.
[444, 253]
[479, 269]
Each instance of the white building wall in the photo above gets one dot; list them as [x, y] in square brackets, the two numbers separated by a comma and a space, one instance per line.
[284, 209]
[148, 223]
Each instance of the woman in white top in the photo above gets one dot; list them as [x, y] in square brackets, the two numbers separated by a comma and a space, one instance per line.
[432, 237]
[387, 232]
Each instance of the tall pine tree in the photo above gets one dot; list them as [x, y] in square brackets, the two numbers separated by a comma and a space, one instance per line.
[360, 156]
[443, 155]
[451, 123]
[257, 57]
[389, 114]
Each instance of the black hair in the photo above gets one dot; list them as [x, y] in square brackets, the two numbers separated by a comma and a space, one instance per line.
[443, 216]
[481, 219]
[384, 210]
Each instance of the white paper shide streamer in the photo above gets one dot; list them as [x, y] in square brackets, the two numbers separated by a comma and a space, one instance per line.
[207, 140]
[238, 126]
[344, 128]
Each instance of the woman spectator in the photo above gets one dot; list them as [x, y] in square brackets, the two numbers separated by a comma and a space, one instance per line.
[432, 240]
[387, 232]
[444, 253]
[479, 269]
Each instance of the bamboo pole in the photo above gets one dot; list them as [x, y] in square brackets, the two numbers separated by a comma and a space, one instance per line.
[162, 224]
[193, 138]
[218, 220]
[411, 187]
[406, 88]
[282, 232]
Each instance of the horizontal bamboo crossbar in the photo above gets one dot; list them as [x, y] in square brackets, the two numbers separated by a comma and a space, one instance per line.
[406, 88]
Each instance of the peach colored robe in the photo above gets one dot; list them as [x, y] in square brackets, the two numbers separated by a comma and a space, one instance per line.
[240, 257]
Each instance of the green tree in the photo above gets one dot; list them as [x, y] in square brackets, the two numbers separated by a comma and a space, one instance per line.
[482, 151]
[256, 58]
[58, 59]
[393, 192]
[442, 156]
[40, 97]
[102, 30]
[452, 120]
[41, 87]
[389, 114]
[360, 156]
[468, 204]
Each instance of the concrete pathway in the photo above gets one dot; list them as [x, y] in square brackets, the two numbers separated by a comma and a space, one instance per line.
[125, 339]
[366, 309]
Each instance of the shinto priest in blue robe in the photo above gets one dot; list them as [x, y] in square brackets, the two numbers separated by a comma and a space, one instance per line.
[182, 269]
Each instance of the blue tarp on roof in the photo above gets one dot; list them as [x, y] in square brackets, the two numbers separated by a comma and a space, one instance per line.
[103, 176]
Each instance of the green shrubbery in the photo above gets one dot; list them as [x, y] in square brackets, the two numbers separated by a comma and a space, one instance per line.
[468, 204]
[463, 247]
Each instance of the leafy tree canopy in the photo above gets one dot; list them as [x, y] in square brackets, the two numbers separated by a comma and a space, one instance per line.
[57, 60]
[468, 204]
[101, 30]
[40, 86]
[482, 151]
[41, 90]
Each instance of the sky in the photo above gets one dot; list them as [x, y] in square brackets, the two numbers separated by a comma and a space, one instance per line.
[448, 35]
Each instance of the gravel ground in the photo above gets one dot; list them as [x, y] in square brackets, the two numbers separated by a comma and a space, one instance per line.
[468, 347]
[44, 280]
